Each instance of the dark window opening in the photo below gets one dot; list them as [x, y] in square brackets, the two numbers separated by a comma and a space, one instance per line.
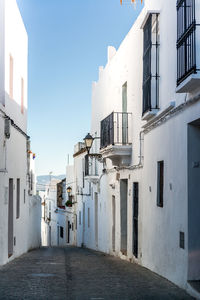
[18, 199]
[182, 240]
[160, 183]
[79, 217]
[61, 232]
[76, 222]
[87, 165]
[151, 63]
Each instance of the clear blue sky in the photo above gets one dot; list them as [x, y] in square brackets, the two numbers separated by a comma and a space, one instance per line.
[68, 41]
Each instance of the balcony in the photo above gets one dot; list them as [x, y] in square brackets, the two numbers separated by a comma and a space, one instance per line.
[188, 57]
[91, 169]
[116, 138]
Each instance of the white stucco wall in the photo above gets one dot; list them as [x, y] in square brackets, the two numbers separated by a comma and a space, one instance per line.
[158, 228]
[16, 45]
[13, 150]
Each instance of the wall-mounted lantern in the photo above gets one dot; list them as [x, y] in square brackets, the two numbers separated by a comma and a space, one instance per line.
[69, 202]
[88, 142]
[88, 145]
[69, 190]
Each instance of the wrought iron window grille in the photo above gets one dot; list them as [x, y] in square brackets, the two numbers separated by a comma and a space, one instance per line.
[186, 40]
[151, 64]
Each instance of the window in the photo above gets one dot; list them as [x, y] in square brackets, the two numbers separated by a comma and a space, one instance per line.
[22, 95]
[11, 78]
[181, 240]
[61, 232]
[186, 44]
[24, 196]
[18, 199]
[88, 217]
[151, 63]
[160, 183]
[76, 222]
[87, 165]
[79, 217]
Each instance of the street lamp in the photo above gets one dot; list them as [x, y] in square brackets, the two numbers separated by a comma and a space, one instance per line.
[69, 203]
[88, 145]
[88, 142]
[69, 189]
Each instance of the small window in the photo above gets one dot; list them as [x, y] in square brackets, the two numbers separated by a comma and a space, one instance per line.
[76, 222]
[24, 196]
[18, 199]
[182, 240]
[79, 217]
[160, 183]
[88, 217]
[87, 165]
[61, 232]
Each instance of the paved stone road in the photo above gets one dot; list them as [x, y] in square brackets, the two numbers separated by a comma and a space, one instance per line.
[74, 273]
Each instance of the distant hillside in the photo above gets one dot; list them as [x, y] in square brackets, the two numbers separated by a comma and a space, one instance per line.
[42, 180]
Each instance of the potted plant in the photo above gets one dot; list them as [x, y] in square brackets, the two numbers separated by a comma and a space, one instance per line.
[68, 203]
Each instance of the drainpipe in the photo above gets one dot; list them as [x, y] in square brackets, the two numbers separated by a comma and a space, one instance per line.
[140, 163]
[141, 156]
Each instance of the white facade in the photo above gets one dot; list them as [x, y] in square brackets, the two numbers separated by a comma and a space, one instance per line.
[58, 221]
[49, 214]
[158, 152]
[15, 204]
[71, 215]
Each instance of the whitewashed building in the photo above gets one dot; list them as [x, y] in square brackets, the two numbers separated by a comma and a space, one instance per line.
[143, 193]
[49, 223]
[17, 205]
[58, 220]
[71, 216]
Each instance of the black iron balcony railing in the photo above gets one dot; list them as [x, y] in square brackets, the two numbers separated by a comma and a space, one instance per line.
[115, 129]
[186, 39]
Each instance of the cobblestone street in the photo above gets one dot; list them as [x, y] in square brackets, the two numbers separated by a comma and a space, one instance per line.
[74, 273]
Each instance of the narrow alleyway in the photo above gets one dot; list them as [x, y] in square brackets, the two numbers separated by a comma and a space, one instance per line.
[74, 273]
